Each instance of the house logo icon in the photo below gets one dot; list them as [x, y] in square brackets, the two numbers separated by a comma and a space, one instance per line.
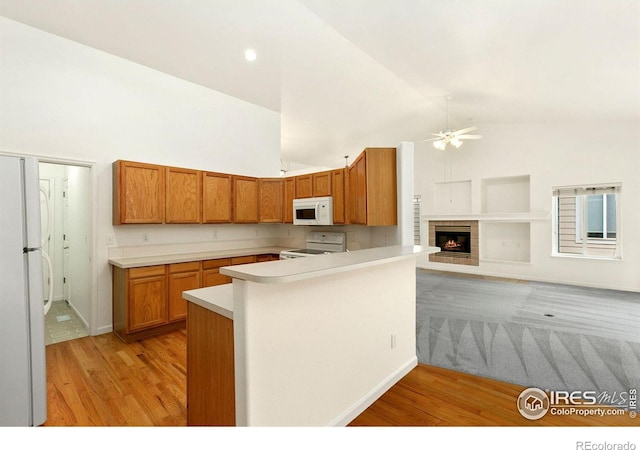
[533, 403]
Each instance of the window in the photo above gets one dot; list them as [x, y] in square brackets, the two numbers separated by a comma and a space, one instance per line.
[586, 221]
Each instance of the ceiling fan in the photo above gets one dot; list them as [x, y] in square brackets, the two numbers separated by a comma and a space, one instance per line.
[448, 136]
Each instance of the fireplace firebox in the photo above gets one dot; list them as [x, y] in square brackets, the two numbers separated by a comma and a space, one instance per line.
[454, 240]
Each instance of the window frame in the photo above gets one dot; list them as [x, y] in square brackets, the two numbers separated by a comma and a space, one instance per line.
[581, 192]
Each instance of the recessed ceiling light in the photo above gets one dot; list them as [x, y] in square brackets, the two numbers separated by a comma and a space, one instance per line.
[250, 54]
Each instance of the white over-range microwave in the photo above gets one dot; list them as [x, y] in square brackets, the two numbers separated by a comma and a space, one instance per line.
[313, 211]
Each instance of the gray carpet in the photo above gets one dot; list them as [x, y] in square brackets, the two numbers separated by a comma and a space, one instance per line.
[541, 335]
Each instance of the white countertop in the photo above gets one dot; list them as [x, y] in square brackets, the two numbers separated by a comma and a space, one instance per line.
[155, 260]
[218, 299]
[286, 271]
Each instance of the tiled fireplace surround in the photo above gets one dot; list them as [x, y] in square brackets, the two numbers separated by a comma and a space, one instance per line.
[468, 260]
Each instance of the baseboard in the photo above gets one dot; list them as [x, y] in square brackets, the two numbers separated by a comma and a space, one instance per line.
[361, 405]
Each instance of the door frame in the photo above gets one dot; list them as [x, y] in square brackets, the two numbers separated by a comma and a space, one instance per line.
[93, 232]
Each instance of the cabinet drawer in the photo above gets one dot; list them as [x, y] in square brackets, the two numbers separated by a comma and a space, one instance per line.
[213, 263]
[149, 271]
[243, 260]
[184, 267]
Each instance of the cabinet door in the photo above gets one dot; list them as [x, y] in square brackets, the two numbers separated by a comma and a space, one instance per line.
[358, 191]
[182, 277]
[271, 198]
[139, 193]
[217, 195]
[183, 195]
[322, 184]
[147, 302]
[381, 187]
[289, 194]
[304, 186]
[338, 194]
[245, 200]
[211, 275]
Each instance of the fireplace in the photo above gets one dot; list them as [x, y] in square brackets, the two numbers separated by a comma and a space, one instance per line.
[453, 240]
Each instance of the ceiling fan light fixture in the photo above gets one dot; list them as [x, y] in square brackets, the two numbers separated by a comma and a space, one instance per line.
[440, 145]
[456, 142]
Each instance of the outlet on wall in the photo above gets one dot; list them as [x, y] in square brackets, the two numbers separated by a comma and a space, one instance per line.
[145, 238]
[111, 240]
[393, 340]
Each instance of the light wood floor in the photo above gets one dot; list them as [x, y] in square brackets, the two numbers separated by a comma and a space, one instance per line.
[100, 381]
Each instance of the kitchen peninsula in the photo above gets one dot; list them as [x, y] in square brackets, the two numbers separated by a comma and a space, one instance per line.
[301, 342]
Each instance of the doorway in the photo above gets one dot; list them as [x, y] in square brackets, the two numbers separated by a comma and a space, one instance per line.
[66, 189]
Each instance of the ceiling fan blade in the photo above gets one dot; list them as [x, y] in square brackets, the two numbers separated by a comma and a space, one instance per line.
[432, 139]
[464, 130]
[470, 136]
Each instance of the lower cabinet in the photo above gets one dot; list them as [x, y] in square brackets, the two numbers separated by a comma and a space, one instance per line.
[182, 277]
[148, 300]
[211, 275]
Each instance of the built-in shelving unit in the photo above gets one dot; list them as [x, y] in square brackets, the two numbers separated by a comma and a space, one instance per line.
[505, 195]
[452, 197]
[502, 207]
[505, 241]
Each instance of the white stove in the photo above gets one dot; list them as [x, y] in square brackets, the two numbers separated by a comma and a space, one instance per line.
[318, 243]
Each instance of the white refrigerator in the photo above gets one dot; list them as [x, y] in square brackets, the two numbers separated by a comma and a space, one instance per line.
[23, 388]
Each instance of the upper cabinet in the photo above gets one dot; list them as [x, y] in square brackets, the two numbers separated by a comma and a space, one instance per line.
[304, 186]
[245, 199]
[322, 184]
[271, 200]
[138, 193]
[339, 192]
[289, 194]
[372, 188]
[217, 194]
[363, 194]
[183, 196]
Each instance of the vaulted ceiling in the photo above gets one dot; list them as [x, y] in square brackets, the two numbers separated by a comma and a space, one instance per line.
[345, 74]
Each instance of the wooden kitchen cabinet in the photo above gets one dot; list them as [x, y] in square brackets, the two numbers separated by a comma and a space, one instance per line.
[182, 277]
[372, 188]
[322, 184]
[245, 199]
[138, 193]
[339, 194]
[304, 186]
[217, 197]
[211, 275]
[271, 200]
[140, 303]
[183, 195]
[249, 259]
[289, 195]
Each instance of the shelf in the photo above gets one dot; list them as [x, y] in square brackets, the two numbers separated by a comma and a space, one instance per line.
[505, 195]
[505, 241]
[495, 217]
[452, 197]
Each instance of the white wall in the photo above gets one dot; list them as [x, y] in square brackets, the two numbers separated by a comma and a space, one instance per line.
[553, 154]
[65, 101]
[319, 351]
